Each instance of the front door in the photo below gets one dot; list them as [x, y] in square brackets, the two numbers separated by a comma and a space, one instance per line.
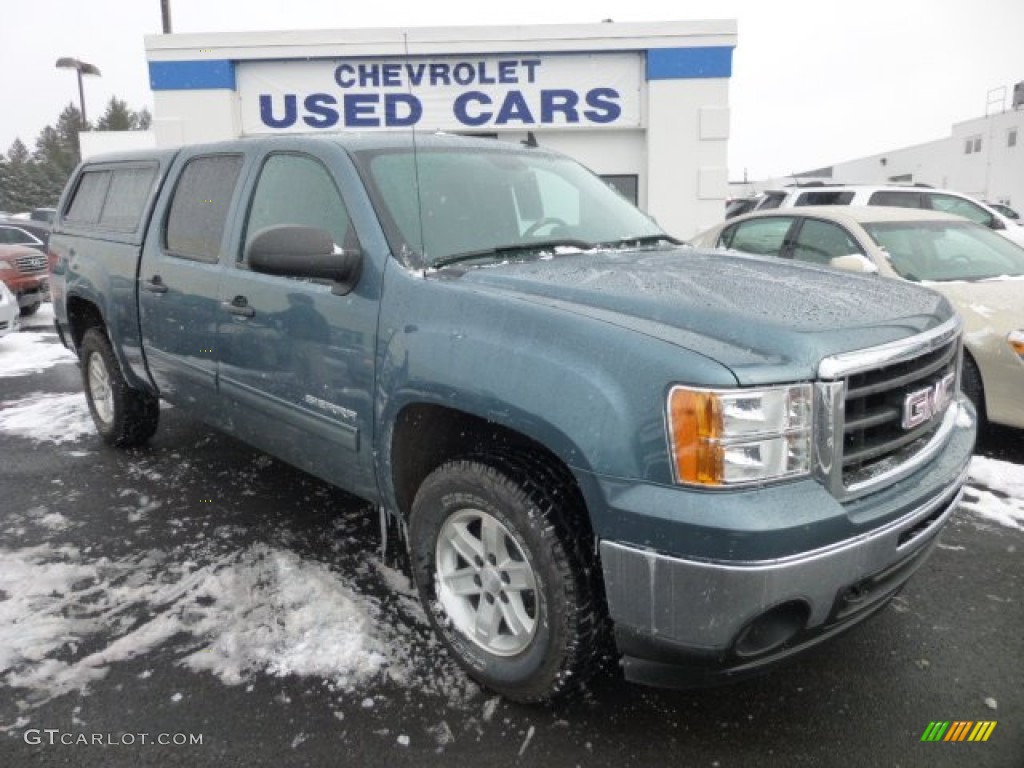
[296, 359]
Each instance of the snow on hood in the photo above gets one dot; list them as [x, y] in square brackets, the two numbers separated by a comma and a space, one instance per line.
[740, 310]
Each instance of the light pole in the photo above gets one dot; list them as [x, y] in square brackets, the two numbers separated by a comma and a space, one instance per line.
[82, 68]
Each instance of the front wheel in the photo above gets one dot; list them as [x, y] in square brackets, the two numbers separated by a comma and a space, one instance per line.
[123, 416]
[972, 386]
[504, 579]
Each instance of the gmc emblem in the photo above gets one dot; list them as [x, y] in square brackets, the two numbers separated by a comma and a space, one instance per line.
[920, 406]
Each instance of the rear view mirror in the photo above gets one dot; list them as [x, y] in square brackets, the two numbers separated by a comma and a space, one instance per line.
[292, 251]
[854, 262]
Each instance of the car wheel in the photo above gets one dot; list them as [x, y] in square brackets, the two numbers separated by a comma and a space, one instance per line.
[504, 578]
[31, 309]
[123, 416]
[971, 385]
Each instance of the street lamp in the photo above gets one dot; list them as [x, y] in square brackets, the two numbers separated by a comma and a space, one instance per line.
[82, 68]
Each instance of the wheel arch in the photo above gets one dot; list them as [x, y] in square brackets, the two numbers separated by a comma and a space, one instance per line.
[425, 436]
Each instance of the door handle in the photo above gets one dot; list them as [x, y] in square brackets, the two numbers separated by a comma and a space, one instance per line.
[239, 306]
[155, 285]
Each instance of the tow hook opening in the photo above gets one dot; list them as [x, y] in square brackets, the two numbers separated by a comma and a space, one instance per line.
[772, 629]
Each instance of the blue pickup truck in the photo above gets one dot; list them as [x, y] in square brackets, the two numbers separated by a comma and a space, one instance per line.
[598, 441]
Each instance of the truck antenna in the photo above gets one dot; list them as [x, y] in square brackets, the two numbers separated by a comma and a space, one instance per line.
[415, 163]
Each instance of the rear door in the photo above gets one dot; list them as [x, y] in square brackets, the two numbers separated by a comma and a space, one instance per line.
[296, 358]
[767, 236]
[180, 275]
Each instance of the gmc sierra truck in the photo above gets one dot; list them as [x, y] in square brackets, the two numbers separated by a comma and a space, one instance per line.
[596, 439]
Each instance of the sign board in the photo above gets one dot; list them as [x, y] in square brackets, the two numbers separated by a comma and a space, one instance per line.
[485, 92]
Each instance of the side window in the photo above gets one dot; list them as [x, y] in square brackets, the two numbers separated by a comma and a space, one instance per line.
[298, 190]
[960, 207]
[897, 198]
[761, 236]
[126, 198]
[195, 224]
[818, 242]
[828, 197]
[15, 236]
[88, 200]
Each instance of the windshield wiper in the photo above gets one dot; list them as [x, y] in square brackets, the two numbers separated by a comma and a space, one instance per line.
[641, 240]
[504, 250]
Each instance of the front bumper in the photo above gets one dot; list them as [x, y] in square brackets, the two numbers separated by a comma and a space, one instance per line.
[688, 620]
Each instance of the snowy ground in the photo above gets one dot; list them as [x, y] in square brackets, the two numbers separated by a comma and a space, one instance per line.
[230, 607]
[240, 609]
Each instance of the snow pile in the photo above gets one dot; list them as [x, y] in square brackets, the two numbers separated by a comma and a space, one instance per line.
[29, 352]
[996, 492]
[65, 618]
[53, 418]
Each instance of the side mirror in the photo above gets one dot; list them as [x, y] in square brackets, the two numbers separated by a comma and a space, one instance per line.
[854, 262]
[292, 251]
[996, 224]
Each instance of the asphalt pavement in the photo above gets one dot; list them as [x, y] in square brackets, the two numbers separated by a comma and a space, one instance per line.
[949, 648]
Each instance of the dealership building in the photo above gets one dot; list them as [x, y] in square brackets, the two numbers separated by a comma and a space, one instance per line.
[645, 105]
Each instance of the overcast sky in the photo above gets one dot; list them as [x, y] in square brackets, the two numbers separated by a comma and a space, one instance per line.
[814, 81]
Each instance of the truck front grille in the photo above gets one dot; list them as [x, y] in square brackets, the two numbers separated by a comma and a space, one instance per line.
[873, 430]
[32, 264]
[890, 405]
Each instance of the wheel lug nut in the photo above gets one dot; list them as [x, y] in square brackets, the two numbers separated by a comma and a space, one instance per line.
[505, 579]
[478, 581]
[492, 560]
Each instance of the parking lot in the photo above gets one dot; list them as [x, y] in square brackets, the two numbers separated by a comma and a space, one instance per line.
[196, 602]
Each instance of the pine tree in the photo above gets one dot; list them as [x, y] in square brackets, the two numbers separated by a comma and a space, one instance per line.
[35, 179]
[117, 117]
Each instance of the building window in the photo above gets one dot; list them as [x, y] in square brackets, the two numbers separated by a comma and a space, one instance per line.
[1011, 138]
[977, 143]
[626, 185]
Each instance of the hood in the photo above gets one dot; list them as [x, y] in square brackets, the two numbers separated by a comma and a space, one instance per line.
[987, 304]
[766, 319]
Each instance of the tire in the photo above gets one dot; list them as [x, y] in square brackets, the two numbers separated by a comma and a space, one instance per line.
[123, 416]
[499, 559]
[31, 309]
[972, 386]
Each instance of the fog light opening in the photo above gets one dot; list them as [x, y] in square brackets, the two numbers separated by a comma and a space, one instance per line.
[772, 629]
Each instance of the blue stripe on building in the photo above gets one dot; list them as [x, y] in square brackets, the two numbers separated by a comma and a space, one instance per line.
[205, 74]
[662, 64]
[689, 63]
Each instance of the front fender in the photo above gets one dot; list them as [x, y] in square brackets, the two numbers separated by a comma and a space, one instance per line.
[591, 392]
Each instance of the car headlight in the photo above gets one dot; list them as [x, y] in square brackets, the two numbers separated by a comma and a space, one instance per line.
[723, 437]
[4, 264]
[1016, 342]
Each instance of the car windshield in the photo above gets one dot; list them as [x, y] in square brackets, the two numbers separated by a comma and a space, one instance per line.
[946, 250]
[444, 205]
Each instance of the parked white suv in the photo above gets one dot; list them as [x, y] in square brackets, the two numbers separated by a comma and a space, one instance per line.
[897, 196]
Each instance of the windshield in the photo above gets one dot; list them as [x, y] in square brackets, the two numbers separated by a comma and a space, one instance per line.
[947, 250]
[478, 201]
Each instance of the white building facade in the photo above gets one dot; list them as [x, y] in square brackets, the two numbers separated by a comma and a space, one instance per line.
[983, 158]
[645, 105]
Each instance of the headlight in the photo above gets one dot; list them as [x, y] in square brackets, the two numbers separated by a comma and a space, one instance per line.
[721, 437]
[1016, 341]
